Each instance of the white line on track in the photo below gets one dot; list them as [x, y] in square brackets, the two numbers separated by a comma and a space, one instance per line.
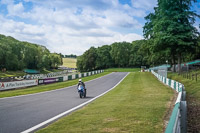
[52, 90]
[69, 111]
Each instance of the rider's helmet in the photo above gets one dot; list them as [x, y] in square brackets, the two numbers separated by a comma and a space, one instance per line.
[80, 80]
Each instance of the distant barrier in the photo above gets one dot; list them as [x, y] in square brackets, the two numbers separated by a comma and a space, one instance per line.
[178, 119]
[17, 84]
[34, 82]
[37, 76]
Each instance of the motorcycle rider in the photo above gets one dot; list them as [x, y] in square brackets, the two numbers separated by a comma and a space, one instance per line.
[81, 83]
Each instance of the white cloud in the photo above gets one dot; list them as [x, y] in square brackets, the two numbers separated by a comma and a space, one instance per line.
[197, 26]
[6, 1]
[66, 28]
[13, 9]
[144, 4]
[63, 39]
[16, 9]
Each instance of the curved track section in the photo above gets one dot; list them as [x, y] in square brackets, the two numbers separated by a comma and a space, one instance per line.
[21, 113]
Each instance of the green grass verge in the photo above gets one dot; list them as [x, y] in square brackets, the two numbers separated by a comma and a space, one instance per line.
[138, 104]
[42, 88]
[122, 70]
[193, 101]
[192, 87]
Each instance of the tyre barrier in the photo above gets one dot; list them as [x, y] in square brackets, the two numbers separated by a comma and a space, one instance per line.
[35, 82]
[178, 118]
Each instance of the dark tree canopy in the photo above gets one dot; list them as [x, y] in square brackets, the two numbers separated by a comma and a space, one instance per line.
[170, 29]
[119, 54]
[16, 55]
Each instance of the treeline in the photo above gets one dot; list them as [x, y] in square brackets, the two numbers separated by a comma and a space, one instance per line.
[69, 56]
[123, 54]
[17, 55]
[119, 54]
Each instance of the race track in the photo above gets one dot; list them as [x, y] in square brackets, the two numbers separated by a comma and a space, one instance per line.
[18, 114]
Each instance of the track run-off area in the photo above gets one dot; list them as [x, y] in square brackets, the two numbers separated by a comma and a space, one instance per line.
[138, 104]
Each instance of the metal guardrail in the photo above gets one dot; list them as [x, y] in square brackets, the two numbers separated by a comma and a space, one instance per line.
[178, 119]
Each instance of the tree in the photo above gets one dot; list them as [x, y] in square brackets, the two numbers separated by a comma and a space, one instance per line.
[87, 61]
[104, 59]
[55, 60]
[170, 28]
[80, 63]
[16, 55]
[90, 59]
[120, 53]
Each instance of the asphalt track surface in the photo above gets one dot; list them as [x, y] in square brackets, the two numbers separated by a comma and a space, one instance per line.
[18, 114]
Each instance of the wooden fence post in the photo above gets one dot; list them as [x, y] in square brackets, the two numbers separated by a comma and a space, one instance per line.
[196, 77]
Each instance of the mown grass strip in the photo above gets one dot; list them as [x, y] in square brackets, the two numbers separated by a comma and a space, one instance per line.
[122, 70]
[42, 88]
[138, 104]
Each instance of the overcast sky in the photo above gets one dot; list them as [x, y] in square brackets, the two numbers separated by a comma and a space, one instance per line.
[73, 26]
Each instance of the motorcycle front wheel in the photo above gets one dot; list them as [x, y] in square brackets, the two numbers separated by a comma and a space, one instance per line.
[81, 94]
[85, 93]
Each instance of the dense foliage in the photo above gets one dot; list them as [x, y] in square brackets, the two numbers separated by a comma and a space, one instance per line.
[170, 30]
[17, 55]
[119, 54]
[123, 54]
[69, 56]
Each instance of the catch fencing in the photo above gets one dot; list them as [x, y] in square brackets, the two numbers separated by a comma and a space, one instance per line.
[35, 82]
[178, 118]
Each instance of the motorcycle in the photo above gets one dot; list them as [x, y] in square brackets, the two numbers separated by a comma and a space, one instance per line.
[81, 91]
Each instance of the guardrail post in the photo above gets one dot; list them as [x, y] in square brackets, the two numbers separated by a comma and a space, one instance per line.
[183, 96]
[183, 110]
[183, 88]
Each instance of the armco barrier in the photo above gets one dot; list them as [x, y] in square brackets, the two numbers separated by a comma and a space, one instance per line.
[178, 119]
[17, 84]
[75, 76]
[50, 80]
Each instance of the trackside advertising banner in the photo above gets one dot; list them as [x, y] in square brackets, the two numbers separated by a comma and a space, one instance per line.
[50, 80]
[17, 84]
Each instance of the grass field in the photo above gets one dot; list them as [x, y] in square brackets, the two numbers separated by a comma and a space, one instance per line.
[42, 88]
[11, 74]
[122, 70]
[138, 104]
[69, 62]
[21, 73]
[193, 101]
